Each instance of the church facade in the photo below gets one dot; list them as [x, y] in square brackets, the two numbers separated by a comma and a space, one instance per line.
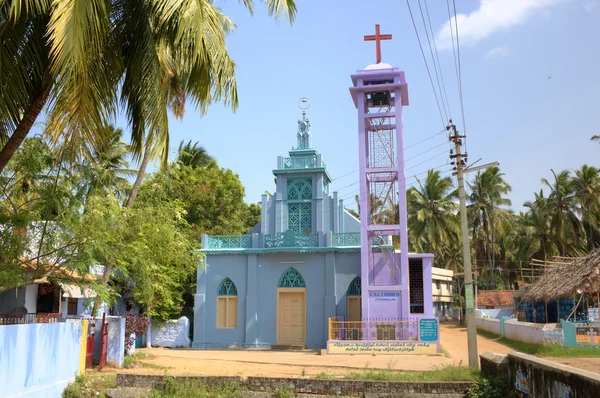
[310, 274]
[301, 265]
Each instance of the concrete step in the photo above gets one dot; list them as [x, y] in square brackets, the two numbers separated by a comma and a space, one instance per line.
[128, 392]
[288, 347]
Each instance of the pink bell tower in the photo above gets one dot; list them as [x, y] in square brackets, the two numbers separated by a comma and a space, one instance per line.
[394, 286]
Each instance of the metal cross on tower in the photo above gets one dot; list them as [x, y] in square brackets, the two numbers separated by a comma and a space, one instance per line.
[377, 37]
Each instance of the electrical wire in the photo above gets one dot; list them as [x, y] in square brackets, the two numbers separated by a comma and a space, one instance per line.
[438, 58]
[426, 65]
[435, 68]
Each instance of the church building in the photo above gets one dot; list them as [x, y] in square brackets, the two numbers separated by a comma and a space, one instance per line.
[310, 274]
[299, 266]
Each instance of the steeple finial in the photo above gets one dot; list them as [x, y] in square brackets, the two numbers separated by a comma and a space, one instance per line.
[304, 125]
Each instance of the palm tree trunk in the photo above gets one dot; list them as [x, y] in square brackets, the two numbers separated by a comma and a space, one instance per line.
[140, 177]
[24, 127]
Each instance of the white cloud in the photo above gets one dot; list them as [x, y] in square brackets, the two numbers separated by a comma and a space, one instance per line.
[491, 16]
[590, 5]
[498, 52]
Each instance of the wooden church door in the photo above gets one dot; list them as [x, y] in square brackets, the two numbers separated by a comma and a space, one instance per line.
[291, 317]
[291, 308]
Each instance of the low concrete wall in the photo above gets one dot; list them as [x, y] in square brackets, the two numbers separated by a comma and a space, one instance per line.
[171, 334]
[534, 333]
[38, 360]
[494, 313]
[524, 331]
[314, 386]
[115, 355]
[489, 324]
[540, 378]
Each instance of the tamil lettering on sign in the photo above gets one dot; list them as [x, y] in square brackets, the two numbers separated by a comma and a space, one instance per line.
[469, 295]
[428, 330]
[385, 296]
[383, 347]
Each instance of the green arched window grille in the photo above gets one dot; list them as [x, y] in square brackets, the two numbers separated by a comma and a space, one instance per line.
[227, 288]
[354, 288]
[291, 278]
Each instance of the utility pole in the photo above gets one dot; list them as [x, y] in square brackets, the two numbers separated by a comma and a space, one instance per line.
[461, 168]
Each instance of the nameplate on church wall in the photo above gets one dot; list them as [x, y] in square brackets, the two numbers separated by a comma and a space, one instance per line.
[384, 296]
[381, 347]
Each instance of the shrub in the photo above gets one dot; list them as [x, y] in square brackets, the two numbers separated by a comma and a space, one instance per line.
[488, 388]
[135, 325]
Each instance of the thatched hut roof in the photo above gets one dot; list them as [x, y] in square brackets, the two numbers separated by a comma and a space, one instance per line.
[564, 277]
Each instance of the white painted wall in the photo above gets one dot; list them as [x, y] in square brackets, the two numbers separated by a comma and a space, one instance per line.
[524, 331]
[489, 324]
[171, 334]
[31, 292]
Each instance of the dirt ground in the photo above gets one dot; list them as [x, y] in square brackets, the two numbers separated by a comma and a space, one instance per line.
[247, 362]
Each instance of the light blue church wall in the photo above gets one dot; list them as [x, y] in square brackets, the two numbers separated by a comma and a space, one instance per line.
[327, 276]
[38, 360]
[347, 268]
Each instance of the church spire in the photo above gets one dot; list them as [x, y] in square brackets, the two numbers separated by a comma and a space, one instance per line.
[304, 136]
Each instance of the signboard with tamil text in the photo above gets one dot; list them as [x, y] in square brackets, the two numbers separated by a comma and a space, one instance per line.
[428, 330]
[381, 347]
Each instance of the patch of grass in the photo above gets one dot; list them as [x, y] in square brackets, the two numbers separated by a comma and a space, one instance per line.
[92, 384]
[548, 350]
[570, 352]
[135, 361]
[445, 373]
[445, 352]
[283, 392]
[178, 388]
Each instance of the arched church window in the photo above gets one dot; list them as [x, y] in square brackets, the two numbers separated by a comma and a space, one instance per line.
[291, 278]
[354, 288]
[227, 305]
[227, 288]
[354, 310]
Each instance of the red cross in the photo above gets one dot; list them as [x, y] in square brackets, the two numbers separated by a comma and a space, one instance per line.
[377, 38]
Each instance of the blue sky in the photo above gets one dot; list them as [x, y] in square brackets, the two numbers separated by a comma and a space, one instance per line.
[530, 84]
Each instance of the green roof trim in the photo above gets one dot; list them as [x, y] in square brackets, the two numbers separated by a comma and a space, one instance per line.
[274, 250]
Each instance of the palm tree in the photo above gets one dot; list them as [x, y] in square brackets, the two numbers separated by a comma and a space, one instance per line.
[537, 238]
[106, 165]
[75, 57]
[432, 215]
[586, 185]
[193, 155]
[596, 138]
[568, 230]
[487, 197]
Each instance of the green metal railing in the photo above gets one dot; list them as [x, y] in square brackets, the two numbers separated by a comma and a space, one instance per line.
[229, 242]
[346, 239]
[292, 239]
[300, 162]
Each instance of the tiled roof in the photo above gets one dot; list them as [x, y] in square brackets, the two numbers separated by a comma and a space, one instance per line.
[495, 297]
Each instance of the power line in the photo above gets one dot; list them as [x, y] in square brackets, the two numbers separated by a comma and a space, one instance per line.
[435, 68]
[426, 65]
[348, 195]
[462, 106]
[453, 46]
[410, 146]
[408, 168]
[438, 59]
